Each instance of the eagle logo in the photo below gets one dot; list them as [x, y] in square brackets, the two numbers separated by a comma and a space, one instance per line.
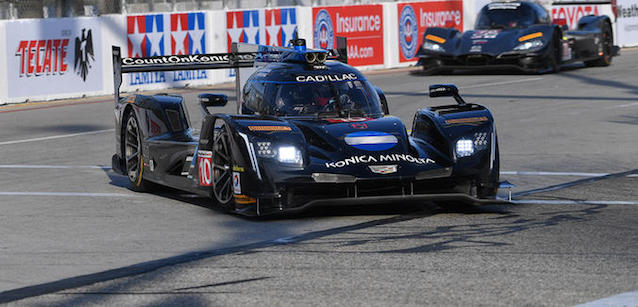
[84, 53]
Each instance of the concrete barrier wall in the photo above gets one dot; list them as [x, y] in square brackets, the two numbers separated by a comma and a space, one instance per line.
[380, 35]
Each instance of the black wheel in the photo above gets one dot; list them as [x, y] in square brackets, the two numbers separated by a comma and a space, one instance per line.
[607, 43]
[222, 166]
[555, 54]
[133, 155]
[489, 187]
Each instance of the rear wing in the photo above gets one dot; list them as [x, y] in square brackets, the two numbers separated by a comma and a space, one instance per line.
[241, 58]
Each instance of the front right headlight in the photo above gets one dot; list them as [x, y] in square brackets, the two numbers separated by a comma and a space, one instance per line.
[289, 155]
[433, 46]
[531, 44]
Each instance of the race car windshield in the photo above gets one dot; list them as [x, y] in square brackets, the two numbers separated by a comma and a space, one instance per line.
[323, 99]
[505, 16]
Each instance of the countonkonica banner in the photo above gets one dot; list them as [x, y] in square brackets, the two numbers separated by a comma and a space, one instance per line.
[53, 57]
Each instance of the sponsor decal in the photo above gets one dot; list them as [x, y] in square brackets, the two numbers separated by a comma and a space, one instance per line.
[324, 78]
[383, 169]
[83, 53]
[323, 33]
[371, 140]
[485, 34]
[503, 6]
[236, 183]
[366, 159]
[274, 27]
[42, 57]
[361, 24]
[163, 35]
[467, 120]
[476, 48]
[416, 17]
[347, 120]
[627, 22]
[42, 52]
[269, 128]
[359, 126]
[237, 168]
[408, 32]
[185, 59]
[205, 167]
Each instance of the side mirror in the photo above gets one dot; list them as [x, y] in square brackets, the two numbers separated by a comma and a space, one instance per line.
[446, 90]
[443, 90]
[211, 100]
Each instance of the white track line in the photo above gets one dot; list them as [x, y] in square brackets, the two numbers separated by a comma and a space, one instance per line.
[21, 166]
[628, 299]
[577, 174]
[55, 137]
[501, 83]
[66, 194]
[572, 202]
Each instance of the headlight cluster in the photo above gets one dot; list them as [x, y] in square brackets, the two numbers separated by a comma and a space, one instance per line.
[433, 46]
[284, 154]
[466, 147]
[531, 44]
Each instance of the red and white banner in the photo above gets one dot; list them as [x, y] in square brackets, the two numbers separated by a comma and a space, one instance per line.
[53, 56]
[416, 17]
[569, 14]
[361, 24]
[627, 22]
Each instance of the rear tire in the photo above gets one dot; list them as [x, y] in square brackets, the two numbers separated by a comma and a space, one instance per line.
[222, 166]
[132, 153]
[607, 45]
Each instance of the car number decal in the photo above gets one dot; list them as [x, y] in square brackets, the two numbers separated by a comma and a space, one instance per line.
[205, 167]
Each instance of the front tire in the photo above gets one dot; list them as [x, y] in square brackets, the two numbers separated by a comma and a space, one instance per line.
[222, 166]
[132, 153]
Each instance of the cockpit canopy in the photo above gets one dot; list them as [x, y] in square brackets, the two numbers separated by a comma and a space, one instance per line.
[327, 93]
[510, 15]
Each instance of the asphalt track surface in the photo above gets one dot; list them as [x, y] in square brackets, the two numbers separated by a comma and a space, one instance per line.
[73, 234]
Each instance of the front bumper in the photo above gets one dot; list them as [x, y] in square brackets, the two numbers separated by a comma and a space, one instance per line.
[525, 62]
[295, 197]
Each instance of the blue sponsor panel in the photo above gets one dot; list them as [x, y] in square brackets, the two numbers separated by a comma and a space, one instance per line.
[371, 140]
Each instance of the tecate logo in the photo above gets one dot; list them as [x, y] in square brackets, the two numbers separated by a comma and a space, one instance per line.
[42, 57]
[408, 32]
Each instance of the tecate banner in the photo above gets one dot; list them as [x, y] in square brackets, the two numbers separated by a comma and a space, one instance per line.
[569, 14]
[166, 34]
[361, 24]
[53, 56]
[627, 22]
[416, 17]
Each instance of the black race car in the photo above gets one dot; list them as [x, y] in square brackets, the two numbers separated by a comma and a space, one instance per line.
[310, 131]
[517, 35]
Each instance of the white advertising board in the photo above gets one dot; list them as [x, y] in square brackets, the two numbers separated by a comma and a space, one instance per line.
[627, 22]
[51, 58]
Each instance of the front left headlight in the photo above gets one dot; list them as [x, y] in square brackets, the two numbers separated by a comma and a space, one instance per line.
[468, 146]
[464, 148]
[289, 155]
[433, 46]
[531, 44]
